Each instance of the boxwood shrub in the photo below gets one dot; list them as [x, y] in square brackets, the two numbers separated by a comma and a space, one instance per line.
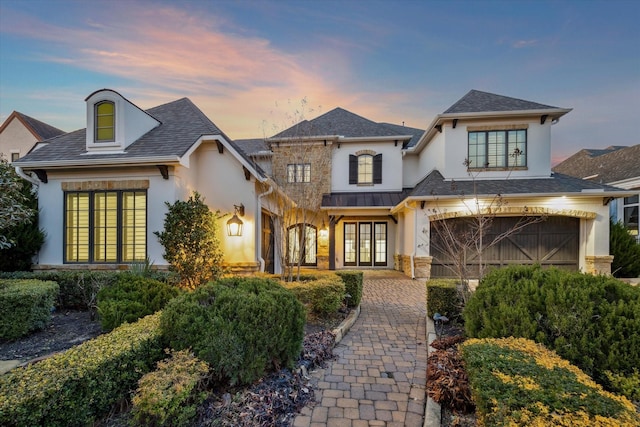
[25, 306]
[131, 298]
[443, 297]
[592, 321]
[80, 385]
[353, 281]
[170, 395]
[242, 327]
[517, 382]
[322, 295]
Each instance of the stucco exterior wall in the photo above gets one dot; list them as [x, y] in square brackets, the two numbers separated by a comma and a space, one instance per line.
[15, 138]
[392, 177]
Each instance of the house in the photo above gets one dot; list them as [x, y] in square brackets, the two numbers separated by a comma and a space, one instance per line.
[20, 133]
[387, 186]
[615, 165]
[102, 190]
[358, 193]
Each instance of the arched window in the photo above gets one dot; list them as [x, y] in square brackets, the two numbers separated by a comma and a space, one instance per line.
[302, 244]
[105, 122]
[365, 168]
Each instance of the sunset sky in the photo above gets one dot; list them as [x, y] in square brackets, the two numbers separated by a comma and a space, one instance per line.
[249, 65]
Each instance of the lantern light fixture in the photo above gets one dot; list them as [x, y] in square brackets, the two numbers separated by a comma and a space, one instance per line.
[234, 225]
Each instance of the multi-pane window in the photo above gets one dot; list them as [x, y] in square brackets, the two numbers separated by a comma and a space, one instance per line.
[365, 243]
[299, 172]
[302, 243]
[631, 208]
[105, 121]
[497, 149]
[105, 226]
[365, 169]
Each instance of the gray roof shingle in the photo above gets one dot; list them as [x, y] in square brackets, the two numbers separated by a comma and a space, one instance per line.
[476, 101]
[607, 165]
[44, 130]
[253, 146]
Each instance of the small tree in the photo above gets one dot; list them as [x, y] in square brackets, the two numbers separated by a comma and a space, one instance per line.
[625, 250]
[15, 207]
[191, 241]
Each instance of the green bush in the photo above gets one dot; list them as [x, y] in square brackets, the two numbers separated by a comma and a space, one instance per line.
[443, 298]
[517, 382]
[323, 295]
[592, 321]
[353, 281]
[131, 298]
[170, 395]
[25, 306]
[242, 327]
[82, 384]
[625, 250]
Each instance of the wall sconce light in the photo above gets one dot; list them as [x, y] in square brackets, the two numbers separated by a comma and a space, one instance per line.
[234, 225]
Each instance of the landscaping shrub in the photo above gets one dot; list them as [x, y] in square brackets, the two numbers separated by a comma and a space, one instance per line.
[242, 327]
[131, 298]
[170, 395]
[353, 285]
[83, 383]
[25, 306]
[592, 321]
[322, 296]
[517, 382]
[443, 298]
[625, 250]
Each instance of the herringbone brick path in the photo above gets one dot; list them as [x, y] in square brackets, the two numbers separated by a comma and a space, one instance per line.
[379, 376]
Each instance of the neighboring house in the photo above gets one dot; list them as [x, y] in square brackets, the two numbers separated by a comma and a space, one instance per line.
[20, 133]
[102, 190]
[386, 185]
[616, 165]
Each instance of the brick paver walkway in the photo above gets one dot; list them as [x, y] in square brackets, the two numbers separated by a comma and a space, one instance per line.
[379, 376]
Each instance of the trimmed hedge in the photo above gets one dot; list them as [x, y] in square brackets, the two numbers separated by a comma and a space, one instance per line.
[443, 298]
[592, 321]
[80, 385]
[322, 295]
[517, 382]
[353, 281]
[131, 298]
[242, 327]
[25, 306]
[170, 395]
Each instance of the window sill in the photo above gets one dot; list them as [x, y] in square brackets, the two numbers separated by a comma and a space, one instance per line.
[365, 184]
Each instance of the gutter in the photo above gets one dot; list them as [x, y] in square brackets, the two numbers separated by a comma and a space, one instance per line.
[29, 178]
[259, 227]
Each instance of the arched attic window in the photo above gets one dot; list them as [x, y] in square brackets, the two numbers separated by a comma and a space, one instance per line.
[105, 121]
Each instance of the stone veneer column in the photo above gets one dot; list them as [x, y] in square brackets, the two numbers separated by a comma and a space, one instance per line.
[422, 267]
[598, 264]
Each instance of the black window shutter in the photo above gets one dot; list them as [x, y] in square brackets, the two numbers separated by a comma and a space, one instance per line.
[353, 169]
[377, 169]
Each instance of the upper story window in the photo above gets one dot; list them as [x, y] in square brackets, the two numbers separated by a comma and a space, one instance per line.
[365, 169]
[631, 208]
[105, 122]
[14, 156]
[299, 172]
[497, 149]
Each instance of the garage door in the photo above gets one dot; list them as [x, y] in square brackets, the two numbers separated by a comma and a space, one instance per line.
[551, 242]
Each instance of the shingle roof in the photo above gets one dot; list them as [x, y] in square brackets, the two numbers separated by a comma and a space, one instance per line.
[476, 101]
[253, 146]
[406, 130]
[341, 122]
[182, 123]
[435, 185]
[42, 129]
[381, 199]
[607, 165]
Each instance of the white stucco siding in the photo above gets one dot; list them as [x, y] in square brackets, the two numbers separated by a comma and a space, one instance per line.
[15, 138]
[431, 157]
[219, 177]
[392, 176]
[538, 150]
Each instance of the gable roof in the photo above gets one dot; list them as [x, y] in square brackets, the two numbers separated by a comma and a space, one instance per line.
[342, 123]
[477, 101]
[612, 164]
[40, 130]
[253, 146]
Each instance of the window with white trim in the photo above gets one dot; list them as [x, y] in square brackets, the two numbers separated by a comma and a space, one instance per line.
[105, 122]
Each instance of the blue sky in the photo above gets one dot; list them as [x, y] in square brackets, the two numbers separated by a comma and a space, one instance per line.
[249, 65]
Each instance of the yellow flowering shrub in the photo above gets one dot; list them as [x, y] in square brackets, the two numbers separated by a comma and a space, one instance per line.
[169, 396]
[516, 382]
[81, 384]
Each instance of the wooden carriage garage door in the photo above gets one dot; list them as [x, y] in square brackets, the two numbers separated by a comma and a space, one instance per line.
[552, 242]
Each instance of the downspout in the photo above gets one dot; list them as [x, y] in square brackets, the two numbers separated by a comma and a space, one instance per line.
[29, 178]
[415, 231]
[259, 227]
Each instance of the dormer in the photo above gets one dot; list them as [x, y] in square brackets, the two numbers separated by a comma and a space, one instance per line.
[114, 123]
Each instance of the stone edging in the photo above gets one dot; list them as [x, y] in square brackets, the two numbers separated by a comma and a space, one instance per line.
[433, 411]
[346, 324]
